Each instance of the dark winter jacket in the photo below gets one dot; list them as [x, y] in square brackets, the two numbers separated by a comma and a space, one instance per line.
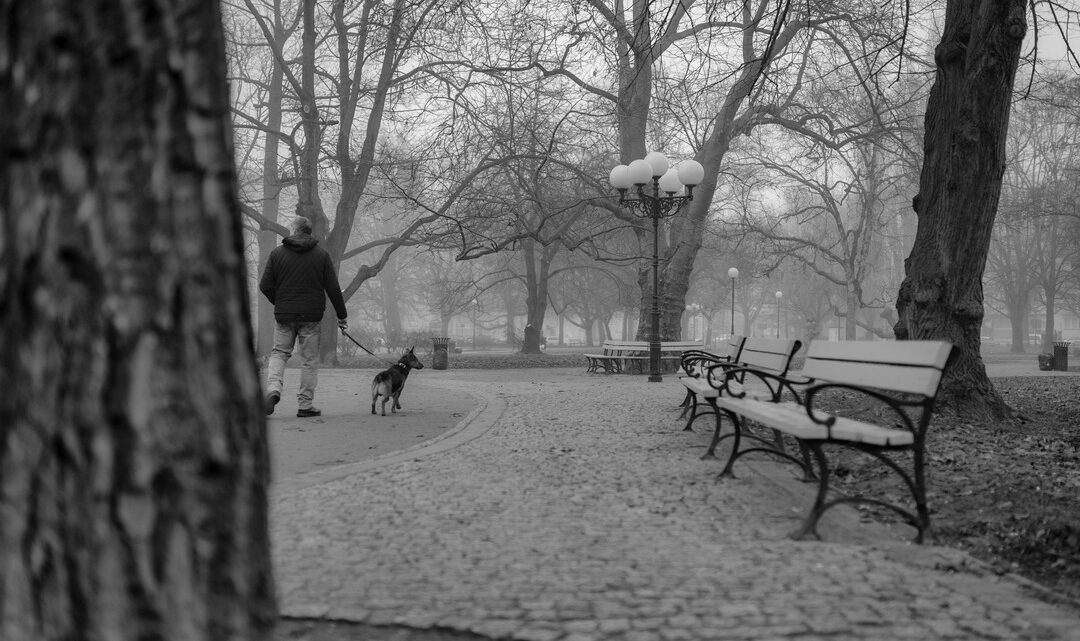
[298, 278]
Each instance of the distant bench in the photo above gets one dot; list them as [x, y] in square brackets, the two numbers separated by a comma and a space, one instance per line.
[620, 357]
[900, 379]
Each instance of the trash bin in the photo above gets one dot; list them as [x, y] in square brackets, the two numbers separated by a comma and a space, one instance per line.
[1061, 356]
[440, 356]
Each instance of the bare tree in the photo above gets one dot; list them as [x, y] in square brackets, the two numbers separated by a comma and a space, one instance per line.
[259, 109]
[590, 295]
[345, 77]
[134, 460]
[1010, 273]
[836, 219]
[967, 119]
[1051, 136]
[709, 105]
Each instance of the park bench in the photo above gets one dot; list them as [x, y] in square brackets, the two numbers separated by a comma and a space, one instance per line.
[771, 355]
[620, 357]
[695, 362]
[895, 379]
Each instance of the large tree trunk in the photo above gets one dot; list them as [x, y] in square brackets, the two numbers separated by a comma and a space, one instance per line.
[967, 118]
[537, 274]
[851, 315]
[1048, 329]
[133, 455]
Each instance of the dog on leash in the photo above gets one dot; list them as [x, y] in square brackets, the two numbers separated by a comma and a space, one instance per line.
[389, 383]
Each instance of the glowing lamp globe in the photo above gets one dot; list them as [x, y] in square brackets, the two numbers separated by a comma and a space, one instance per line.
[620, 177]
[640, 172]
[658, 162]
[669, 182]
[691, 173]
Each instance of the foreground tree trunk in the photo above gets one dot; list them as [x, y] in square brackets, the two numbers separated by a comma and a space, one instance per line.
[133, 460]
[967, 118]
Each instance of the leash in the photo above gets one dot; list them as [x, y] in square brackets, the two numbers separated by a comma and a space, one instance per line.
[346, 334]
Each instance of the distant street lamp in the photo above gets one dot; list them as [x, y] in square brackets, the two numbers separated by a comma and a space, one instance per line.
[779, 295]
[692, 311]
[476, 312]
[733, 273]
[654, 206]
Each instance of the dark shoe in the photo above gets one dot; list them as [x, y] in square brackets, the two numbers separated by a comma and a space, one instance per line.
[302, 413]
[271, 400]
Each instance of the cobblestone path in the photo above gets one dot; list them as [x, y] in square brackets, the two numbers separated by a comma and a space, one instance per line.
[578, 510]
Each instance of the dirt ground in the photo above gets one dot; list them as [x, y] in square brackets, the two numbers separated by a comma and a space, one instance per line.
[1007, 494]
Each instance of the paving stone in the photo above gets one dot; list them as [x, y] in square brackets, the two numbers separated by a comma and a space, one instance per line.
[579, 510]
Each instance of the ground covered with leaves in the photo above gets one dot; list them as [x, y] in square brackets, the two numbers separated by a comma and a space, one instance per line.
[1007, 494]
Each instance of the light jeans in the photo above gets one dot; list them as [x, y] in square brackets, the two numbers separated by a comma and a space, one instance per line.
[285, 336]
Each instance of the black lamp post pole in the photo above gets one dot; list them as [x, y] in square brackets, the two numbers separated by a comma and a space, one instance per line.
[654, 334]
[732, 306]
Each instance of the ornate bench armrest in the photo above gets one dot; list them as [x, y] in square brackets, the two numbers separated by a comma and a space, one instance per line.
[899, 406]
[730, 379]
[695, 362]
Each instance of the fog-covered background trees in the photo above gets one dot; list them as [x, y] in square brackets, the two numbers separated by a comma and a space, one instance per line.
[454, 157]
[451, 156]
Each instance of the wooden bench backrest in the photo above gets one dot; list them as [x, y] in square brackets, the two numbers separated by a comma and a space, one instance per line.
[912, 367]
[769, 354]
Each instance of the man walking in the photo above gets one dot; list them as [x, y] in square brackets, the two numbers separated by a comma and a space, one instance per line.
[298, 278]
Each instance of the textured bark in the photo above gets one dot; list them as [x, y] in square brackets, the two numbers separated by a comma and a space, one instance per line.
[967, 118]
[133, 461]
[537, 259]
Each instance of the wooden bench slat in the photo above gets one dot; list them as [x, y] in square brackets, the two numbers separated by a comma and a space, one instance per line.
[700, 387]
[791, 418]
[920, 353]
[771, 354]
[764, 361]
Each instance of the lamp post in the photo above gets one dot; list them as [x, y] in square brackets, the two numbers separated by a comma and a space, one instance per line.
[733, 273]
[661, 202]
[476, 312]
[692, 311]
[779, 295]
